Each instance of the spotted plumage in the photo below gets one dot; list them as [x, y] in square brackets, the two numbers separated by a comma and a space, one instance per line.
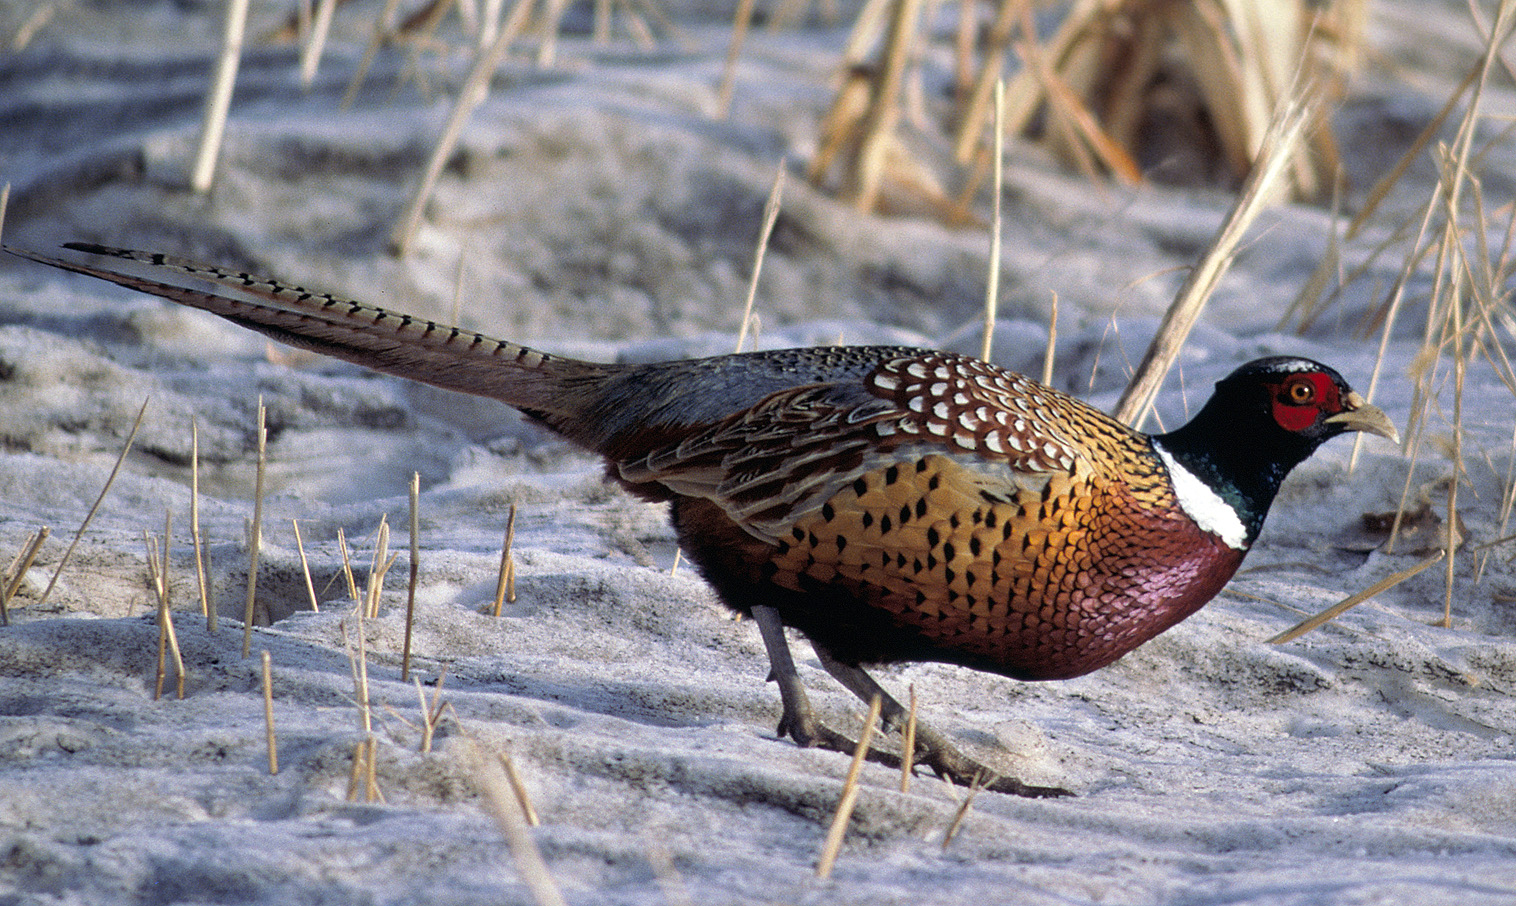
[891, 504]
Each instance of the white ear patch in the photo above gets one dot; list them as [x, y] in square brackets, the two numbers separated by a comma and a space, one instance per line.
[1204, 505]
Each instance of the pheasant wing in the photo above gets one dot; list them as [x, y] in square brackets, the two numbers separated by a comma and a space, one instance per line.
[776, 463]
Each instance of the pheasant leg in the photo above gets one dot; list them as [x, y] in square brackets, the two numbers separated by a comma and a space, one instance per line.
[933, 749]
[800, 723]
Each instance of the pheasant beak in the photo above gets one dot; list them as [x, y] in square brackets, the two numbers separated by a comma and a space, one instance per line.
[1358, 415]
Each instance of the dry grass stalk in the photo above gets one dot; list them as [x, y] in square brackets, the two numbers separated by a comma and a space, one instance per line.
[305, 567]
[1047, 355]
[1279, 146]
[5, 200]
[864, 170]
[206, 610]
[384, 27]
[218, 99]
[475, 89]
[168, 614]
[357, 658]
[431, 715]
[1094, 77]
[518, 789]
[1074, 128]
[1381, 188]
[838, 124]
[356, 773]
[10, 582]
[415, 572]
[977, 105]
[908, 744]
[41, 15]
[1024, 90]
[552, 22]
[742, 20]
[849, 800]
[867, 28]
[505, 584]
[1391, 314]
[155, 583]
[1468, 294]
[493, 784]
[962, 812]
[364, 779]
[992, 284]
[601, 29]
[419, 31]
[168, 639]
[347, 567]
[1508, 499]
[15, 573]
[255, 531]
[483, 22]
[268, 713]
[315, 42]
[766, 232]
[371, 790]
[1460, 368]
[379, 566]
[1413, 445]
[110, 480]
[1346, 604]
[859, 127]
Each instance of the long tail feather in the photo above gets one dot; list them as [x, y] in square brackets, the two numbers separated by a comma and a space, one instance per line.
[403, 345]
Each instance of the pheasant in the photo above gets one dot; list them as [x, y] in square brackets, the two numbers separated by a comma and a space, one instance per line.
[890, 504]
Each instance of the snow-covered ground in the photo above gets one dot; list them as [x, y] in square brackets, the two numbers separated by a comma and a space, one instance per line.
[597, 208]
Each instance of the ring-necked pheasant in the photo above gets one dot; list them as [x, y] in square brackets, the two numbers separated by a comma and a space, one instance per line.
[890, 504]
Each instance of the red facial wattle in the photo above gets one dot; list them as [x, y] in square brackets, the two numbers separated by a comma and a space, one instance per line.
[1297, 415]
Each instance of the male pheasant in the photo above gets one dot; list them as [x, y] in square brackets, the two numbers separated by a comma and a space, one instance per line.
[890, 504]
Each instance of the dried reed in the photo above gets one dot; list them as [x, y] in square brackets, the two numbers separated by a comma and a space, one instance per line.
[206, 610]
[379, 565]
[962, 812]
[41, 15]
[505, 583]
[833, 844]
[908, 743]
[770, 217]
[1047, 354]
[315, 42]
[11, 581]
[268, 713]
[305, 567]
[1279, 145]
[475, 89]
[742, 19]
[493, 783]
[110, 480]
[1346, 604]
[415, 569]
[255, 531]
[168, 639]
[992, 283]
[218, 99]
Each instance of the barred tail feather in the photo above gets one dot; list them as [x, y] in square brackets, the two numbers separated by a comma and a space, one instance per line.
[399, 344]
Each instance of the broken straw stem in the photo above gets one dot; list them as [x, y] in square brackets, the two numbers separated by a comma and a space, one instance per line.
[219, 100]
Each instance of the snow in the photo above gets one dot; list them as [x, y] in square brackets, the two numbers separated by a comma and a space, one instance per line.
[597, 209]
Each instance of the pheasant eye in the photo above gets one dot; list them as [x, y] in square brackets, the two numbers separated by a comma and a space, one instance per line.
[1300, 392]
